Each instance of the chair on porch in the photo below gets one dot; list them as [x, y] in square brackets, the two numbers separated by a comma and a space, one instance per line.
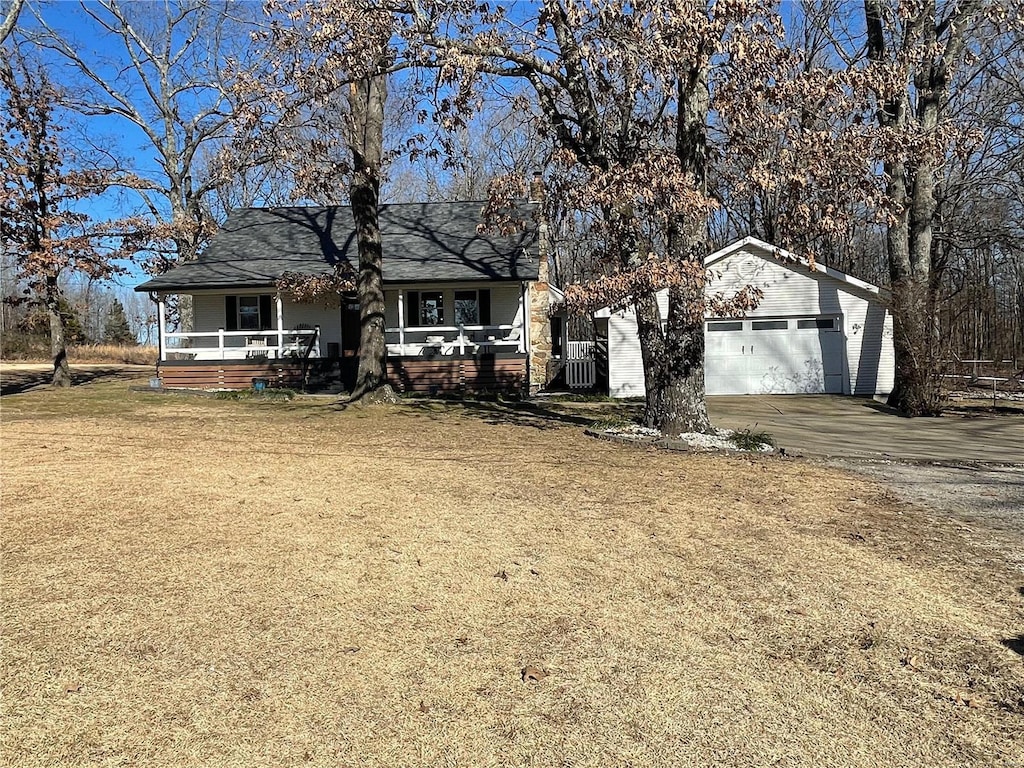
[256, 346]
[296, 344]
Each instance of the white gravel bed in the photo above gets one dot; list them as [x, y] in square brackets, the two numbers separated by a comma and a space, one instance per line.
[719, 441]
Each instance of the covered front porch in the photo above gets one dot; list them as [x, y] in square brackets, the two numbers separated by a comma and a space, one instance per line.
[440, 338]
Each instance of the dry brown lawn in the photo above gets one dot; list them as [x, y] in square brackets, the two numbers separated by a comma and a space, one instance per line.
[201, 582]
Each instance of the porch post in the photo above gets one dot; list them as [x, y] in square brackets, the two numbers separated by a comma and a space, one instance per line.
[161, 311]
[401, 319]
[524, 308]
[280, 325]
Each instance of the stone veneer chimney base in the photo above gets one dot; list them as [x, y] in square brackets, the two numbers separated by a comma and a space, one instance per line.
[540, 299]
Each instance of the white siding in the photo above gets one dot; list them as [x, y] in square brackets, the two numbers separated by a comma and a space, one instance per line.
[625, 363]
[328, 318]
[787, 291]
[625, 366]
[506, 308]
[870, 357]
[208, 311]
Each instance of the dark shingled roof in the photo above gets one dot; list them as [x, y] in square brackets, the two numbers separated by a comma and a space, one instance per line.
[423, 242]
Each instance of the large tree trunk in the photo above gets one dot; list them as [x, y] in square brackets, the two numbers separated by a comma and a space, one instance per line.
[675, 378]
[910, 187]
[366, 140]
[908, 242]
[58, 337]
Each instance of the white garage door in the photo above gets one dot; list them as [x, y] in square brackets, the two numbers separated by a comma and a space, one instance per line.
[778, 356]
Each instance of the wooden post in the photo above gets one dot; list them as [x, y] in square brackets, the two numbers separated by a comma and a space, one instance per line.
[401, 319]
[280, 326]
[161, 310]
[524, 308]
[220, 341]
[462, 340]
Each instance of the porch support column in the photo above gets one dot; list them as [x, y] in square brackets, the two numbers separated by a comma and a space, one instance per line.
[280, 325]
[524, 311]
[401, 319]
[161, 313]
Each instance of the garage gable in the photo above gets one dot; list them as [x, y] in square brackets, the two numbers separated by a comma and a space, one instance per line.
[790, 285]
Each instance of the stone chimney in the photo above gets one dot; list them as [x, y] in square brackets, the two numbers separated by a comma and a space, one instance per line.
[540, 298]
[537, 188]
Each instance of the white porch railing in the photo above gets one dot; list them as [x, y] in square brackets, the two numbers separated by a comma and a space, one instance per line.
[580, 365]
[452, 339]
[241, 345]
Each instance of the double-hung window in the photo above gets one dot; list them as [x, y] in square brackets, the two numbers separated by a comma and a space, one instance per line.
[431, 308]
[473, 307]
[427, 308]
[248, 313]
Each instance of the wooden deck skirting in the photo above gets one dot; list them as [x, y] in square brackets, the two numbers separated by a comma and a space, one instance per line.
[457, 374]
[449, 374]
[229, 374]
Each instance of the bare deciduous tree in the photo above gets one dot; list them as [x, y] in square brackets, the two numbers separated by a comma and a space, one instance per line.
[43, 181]
[10, 18]
[166, 72]
[626, 94]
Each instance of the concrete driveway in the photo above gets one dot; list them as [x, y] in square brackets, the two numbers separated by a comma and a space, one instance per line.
[823, 426]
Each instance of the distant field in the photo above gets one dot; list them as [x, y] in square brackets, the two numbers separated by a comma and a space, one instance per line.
[96, 353]
[204, 582]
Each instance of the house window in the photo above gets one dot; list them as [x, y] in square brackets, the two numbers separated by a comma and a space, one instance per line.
[725, 325]
[473, 307]
[821, 323]
[769, 325]
[431, 308]
[248, 313]
[467, 308]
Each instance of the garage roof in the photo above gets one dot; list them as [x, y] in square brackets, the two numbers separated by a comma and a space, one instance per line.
[766, 250]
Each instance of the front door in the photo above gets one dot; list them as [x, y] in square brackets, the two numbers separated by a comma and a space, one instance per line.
[350, 327]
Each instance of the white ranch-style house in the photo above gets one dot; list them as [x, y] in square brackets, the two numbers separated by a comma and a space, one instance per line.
[466, 309]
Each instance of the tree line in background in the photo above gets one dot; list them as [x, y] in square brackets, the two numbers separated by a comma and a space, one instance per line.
[882, 139]
[92, 314]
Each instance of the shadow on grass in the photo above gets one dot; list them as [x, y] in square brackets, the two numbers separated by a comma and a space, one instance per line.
[16, 382]
[537, 415]
[1015, 644]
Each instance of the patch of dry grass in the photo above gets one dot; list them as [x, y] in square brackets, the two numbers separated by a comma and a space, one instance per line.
[127, 354]
[130, 354]
[204, 582]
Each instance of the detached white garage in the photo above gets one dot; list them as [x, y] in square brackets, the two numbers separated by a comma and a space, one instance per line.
[819, 331]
